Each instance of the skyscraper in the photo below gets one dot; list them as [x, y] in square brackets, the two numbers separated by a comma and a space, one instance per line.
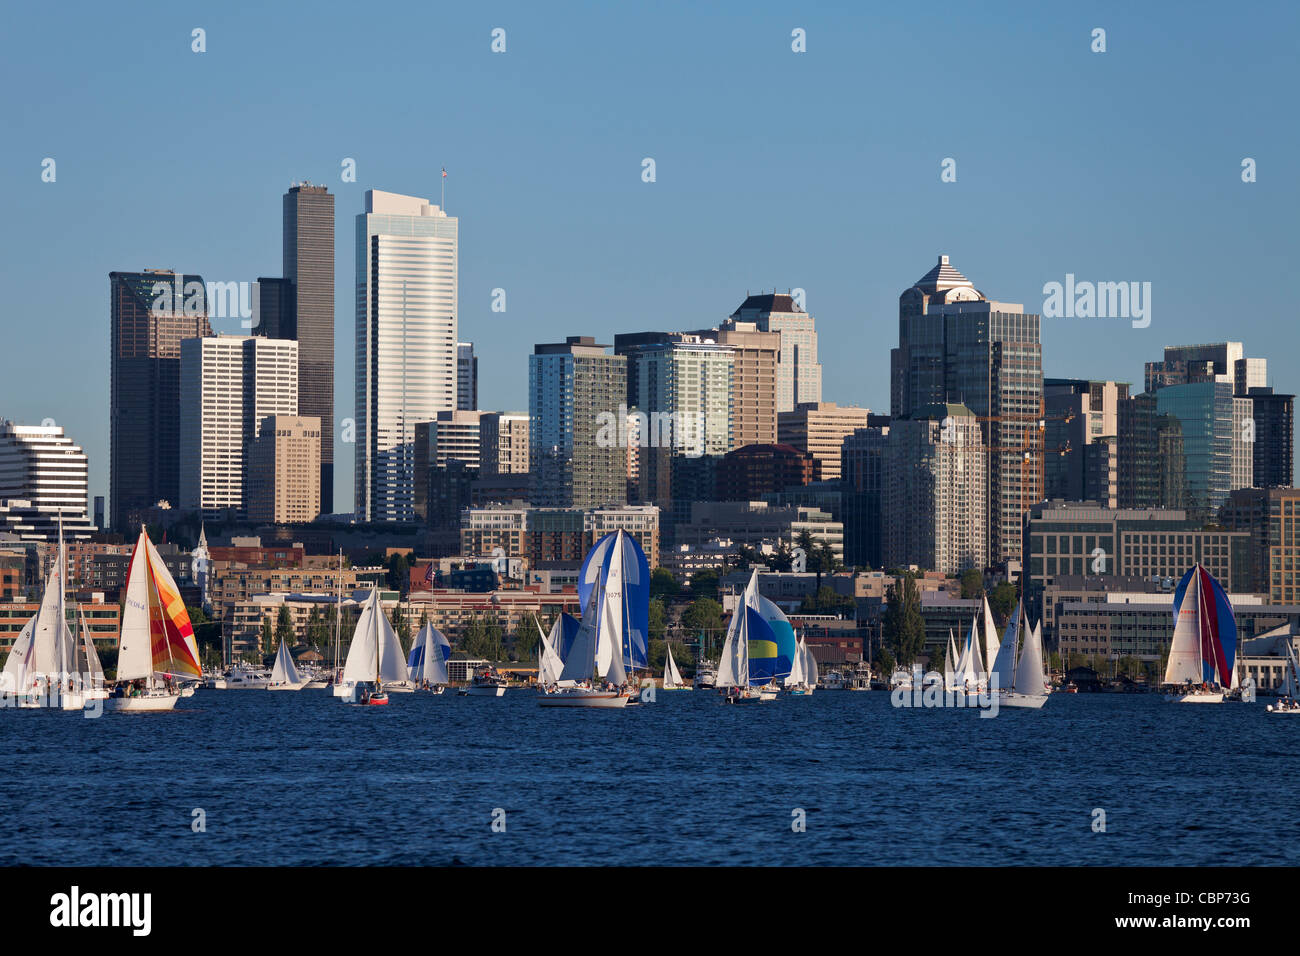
[1150, 463]
[152, 312]
[42, 465]
[798, 373]
[1206, 409]
[230, 384]
[862, 477]
[753, 380]
[503, 443]
[283, 470]
[820, 428]
[956, 346]
[1274, 445]
[308, 242]
[1081, 422]
[578, 456]
[466, 377]
[407, 271]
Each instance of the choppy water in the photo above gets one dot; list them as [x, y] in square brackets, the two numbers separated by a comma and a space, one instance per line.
[300, 778]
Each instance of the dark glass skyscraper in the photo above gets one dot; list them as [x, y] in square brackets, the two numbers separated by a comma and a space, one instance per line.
[1274, 438]
[151, 313]
[308, 313]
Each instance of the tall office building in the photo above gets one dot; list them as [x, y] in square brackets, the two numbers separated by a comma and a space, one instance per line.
[956, 346]
[681, 384]
[1271, 516]
[503, 443]
[1215, 362]
[230, 384]
[406, 343]
[1150, 460]
[283, 470]
[152, 312]
[862, 482]
[935, 497]
[466, 377]
[820, 428]
[42, 465]
[308, 242]
[798, 373]
[1274, 445]
[1081, 423]
[576, 389]
[1205, 409]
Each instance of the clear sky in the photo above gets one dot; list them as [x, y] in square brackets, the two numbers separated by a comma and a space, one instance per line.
[819, 170]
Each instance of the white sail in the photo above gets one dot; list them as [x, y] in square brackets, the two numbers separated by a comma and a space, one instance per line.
[52, 639]
[284, 671]
[991, 644]
[1029, 668]
[1004, 664]
[796, 675]
[1185, 649]
[978, 675]
[19, 663]
[360, 663]
[672, 677]
[809, 666]
[437, 650]
[89, 656]
[392, 662]
[733, 669]
[581, 663]
[1290, 676]
[612, 632]
[949, 662]
[135, 651]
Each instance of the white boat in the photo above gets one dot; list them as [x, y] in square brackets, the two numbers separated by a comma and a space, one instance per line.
[243, 677]
[19, 679]
[87, 672]
[1022, 681]
[374, 656]
[898, 679]
[485, 682]
[550, 666]
[427, 664]
[1203, 650]
[157, 643]
[672, 676]
[733, 668]
[284, 675]
[1289, 702]
[594, 667]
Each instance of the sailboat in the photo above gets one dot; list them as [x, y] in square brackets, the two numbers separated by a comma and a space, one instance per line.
[19, 672]
[969, 677]
[1289, 701]
[1204, 645]
[284, 675]
[802, 680]
[950, 675]
[427, 664]
[157, 638]
[1021, 680]
[617, 557]
[87, 671]
[672, 676]
[991, 642]
[758, 651]
[595, 662]
[374, 656]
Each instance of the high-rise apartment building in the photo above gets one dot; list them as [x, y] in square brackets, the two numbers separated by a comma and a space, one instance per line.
[935, 491]
[229, 385]
[577, 396]
[798, 373]
[503, 443]
[152, 312]
[406, 365]
[820, 428]
[1274, 438]
[1150, 462]
[466, 377]
[754, 356]
[1081, 422]
[1271, 518]
[862, 478]
[42, 465]
[283, 470]
[956, 346]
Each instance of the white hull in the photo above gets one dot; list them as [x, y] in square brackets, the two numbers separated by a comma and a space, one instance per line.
[402, 688]
[346, 690]
[1214, 697]
[140, 705]
[1274, 709]
[676, 687]
[1025, 701]
[316, 684]
[584, 698]
[285, 686]
[478, 690]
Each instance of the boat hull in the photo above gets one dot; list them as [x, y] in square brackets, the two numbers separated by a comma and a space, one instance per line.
[608, 700]
[1274, 709]
[1215, 697]
[143, 705]
[285, 686]
[1023, 701]
[481, 691]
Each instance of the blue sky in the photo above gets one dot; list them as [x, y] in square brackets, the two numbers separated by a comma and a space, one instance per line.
[818, 170]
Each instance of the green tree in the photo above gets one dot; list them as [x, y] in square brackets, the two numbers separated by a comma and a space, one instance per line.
[207, 632]
[663, 584]
[704, 583]
[904, 628]
[781, 559]
[527, 642]
[657, 626]
[657, 657]
[283, 628]
[317, 633]
[972, 583]
[828, 601]
[1001, 600]
[704, 617]
[399, 573]
[402, 625]
[884, 662]
[267, 640]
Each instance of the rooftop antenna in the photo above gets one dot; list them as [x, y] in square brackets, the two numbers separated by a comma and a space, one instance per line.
[444, 189]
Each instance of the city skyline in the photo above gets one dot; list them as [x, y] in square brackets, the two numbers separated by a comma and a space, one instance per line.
[1082, 208]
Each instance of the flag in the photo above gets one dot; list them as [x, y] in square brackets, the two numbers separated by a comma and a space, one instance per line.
[444, 172]
[428, 573]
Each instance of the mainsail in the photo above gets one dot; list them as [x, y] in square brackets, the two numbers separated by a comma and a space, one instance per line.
[284, 671]
[1004, 664]
[1029, 668]
[156, 637]
[990, 634]
[620, 550]
[672, 677]
[796, 675]
[19, 663]
[375, 652]
[430, 652]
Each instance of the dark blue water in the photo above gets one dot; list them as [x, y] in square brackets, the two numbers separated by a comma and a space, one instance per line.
[300, 778]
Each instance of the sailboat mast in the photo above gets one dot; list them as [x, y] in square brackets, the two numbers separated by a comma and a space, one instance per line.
[63, 620]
